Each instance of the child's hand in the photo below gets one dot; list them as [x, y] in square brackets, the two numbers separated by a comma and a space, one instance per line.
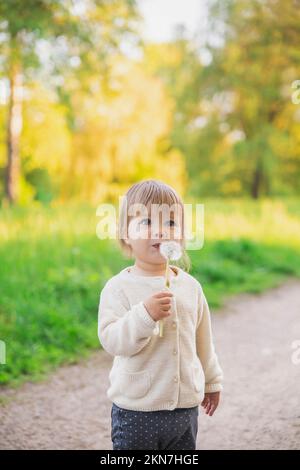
[159, 305]
[210, 402]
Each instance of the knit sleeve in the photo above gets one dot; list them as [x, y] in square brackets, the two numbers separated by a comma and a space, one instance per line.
[123, 331]
[205, 348]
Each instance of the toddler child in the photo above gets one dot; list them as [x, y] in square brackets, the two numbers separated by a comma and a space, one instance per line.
[156, 382]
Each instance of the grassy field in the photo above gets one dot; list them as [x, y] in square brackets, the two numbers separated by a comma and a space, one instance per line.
[53, 266]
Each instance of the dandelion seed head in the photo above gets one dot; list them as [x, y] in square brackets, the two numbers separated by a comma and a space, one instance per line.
[170, 250]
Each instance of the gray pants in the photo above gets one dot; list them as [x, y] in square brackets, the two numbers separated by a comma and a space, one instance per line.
[149, 430]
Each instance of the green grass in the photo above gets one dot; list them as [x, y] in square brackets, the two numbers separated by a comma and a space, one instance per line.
[52, 269]
[228, 267]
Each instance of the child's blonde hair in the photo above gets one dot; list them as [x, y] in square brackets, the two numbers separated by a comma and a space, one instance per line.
[149, 192]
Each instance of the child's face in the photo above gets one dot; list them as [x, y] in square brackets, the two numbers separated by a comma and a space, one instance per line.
[146, 232]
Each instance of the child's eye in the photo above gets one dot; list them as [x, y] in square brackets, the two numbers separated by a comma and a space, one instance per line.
[145, 221]
[172, 223]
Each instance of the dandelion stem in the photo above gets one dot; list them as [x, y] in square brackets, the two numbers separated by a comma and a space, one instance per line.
[161, 323]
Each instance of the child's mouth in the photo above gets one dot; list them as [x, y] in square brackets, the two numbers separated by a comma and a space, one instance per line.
[156, 245]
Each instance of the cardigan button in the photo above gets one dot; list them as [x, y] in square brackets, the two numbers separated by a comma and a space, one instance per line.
[174, 324]
[175, 379]
[174, 352]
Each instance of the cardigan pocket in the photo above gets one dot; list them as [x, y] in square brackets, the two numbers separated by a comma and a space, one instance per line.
[134, 384]
[198, 375]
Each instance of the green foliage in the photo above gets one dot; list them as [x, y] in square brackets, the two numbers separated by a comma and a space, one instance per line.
[227, 267]
[39, 178]
[249, 83]
[53, 268]
[49, 294]
[224, 127]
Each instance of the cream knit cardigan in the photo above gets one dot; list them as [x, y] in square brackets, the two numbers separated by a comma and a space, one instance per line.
[150, 372]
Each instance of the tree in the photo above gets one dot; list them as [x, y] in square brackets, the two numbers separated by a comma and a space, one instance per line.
[178, 65]
[84, 31]
[251, 73]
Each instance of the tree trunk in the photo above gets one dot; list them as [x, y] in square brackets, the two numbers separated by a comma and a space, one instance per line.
[257, 181]
[14, 128]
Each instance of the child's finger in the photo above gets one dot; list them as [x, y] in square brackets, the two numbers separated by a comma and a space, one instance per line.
[204, 402]
[207, 405]
[166, 313]
[165, 310]
[212, 409]
[163, 294]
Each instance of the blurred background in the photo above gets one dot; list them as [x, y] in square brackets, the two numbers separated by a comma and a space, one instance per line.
[98, 94]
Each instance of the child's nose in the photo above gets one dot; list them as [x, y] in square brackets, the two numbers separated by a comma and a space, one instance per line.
[160, 234]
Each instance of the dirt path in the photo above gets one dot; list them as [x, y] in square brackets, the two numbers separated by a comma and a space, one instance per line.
[260, 407]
